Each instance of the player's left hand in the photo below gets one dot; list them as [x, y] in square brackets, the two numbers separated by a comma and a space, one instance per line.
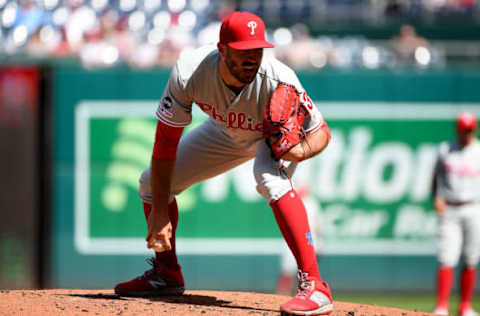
[296, 153]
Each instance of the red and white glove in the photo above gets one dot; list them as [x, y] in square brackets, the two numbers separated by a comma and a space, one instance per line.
[283, 119]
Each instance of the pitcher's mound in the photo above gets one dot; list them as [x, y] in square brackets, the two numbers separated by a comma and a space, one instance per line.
[207, 303]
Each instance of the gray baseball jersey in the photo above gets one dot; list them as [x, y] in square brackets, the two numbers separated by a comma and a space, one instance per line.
[458, 181]
[458, 172]
[196, 79]
[233, 133]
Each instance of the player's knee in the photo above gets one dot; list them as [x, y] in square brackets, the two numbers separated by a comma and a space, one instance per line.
[145, 189]
[146, 176]
[271, 186]
[447, 261]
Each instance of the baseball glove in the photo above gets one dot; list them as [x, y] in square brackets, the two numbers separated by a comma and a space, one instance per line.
[283, 119]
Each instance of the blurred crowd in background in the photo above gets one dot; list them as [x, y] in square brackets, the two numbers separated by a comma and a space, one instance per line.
[153, 33]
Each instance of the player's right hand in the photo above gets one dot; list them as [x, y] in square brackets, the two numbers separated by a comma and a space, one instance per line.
[159, 231]
[440, 205]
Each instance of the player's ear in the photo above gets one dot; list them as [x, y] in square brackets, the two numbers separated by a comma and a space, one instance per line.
[221, 49]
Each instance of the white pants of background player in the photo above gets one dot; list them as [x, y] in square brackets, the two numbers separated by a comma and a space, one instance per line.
[207, 151]
[459, 234]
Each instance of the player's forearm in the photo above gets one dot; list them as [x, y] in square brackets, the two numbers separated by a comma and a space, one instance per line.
[315, 143]
[312, 145]
[163, 162]
[162, 171]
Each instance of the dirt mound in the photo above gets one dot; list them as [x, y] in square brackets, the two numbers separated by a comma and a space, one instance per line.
[104, 302]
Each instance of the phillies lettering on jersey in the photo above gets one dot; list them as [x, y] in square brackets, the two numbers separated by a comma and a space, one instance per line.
[233, 119]
[463, 171]
[195, 79]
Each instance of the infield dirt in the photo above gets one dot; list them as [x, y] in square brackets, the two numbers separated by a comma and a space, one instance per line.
[104, 302]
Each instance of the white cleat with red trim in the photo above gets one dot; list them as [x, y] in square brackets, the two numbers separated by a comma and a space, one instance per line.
[313, 298]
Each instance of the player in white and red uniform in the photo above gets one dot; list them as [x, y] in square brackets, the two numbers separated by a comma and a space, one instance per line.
[457, 202]
[232, 84]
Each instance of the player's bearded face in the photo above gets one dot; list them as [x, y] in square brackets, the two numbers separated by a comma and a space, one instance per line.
[243, 64]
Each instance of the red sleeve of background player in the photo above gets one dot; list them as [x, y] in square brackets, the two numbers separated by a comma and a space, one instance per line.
[166, 141]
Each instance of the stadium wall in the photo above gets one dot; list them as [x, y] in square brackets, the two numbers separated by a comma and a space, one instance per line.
[379, 228]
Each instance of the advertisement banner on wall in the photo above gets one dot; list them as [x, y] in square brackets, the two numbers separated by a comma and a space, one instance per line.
[371, 185]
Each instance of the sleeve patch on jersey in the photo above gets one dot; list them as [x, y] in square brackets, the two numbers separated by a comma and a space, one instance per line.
[170, 112]
[165, 106]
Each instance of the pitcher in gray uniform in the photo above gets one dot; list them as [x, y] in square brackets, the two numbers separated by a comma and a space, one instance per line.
[457, 202]
[232, 83]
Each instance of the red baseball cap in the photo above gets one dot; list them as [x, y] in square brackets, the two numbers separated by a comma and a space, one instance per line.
[243, 30]
[466, 121]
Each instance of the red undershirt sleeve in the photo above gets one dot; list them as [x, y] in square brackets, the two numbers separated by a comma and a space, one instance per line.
[166, 141]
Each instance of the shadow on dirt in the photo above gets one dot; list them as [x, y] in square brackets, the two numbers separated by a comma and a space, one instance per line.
[204, 300]
[188, 299]
[97, 296]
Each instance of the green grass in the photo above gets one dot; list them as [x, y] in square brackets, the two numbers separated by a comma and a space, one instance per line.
[420, 302]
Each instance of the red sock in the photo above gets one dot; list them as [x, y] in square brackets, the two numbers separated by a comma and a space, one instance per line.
[445, 276]
[167, 258]
[467, 286]
[292, 220]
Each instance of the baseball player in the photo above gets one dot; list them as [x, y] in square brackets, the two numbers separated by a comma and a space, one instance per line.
[456, 194]
[235, 87]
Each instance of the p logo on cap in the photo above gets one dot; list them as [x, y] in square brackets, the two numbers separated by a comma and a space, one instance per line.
[253, 25]
[243, 30]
